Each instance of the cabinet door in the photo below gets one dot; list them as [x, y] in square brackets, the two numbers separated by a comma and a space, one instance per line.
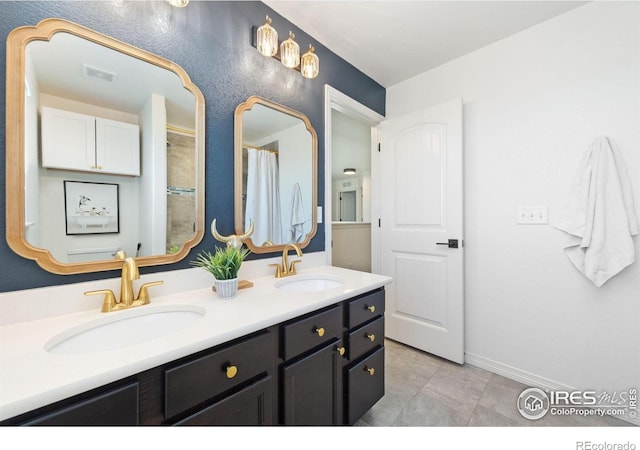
[68, 140]
[249, 407]
[117, 147]
[365, 385]
[311, 388]
[116, 407]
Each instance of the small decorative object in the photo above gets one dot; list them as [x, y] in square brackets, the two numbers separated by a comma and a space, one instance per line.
[232, 240]
[224, 266]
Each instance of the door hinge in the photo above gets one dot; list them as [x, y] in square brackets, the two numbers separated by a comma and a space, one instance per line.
[379, 223]
[378, 146]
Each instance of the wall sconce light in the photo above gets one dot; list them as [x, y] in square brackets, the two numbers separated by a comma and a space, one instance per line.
[290, 52]
[350, 171]
[265, 40]
[178, 3]
[310, 65]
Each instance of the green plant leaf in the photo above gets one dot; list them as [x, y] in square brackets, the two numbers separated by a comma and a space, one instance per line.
[224, 264]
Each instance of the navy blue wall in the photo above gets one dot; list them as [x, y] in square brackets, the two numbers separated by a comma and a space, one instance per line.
[211, 40]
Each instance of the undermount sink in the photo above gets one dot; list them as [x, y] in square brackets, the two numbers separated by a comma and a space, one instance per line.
[124, 328]
[309, 283]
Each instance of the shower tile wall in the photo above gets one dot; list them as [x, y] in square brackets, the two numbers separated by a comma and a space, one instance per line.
[181, 175]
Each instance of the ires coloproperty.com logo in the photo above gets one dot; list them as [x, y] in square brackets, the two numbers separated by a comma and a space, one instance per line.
[534, 403]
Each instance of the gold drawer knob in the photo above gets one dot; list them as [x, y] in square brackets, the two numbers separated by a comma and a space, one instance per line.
[341, 351]
[371, 308]
[232, 371]
[371, 337]
[319, 331]
[371, 370]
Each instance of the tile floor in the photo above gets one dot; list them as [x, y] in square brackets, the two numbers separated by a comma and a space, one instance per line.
[424, 390]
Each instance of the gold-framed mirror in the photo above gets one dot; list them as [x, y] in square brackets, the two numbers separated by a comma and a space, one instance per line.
[275, 175]
[95, 128]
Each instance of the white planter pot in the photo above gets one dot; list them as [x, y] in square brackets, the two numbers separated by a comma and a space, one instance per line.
[227, 288]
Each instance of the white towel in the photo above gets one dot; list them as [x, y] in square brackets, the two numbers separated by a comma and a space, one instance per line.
[297, 215]
[600, 216]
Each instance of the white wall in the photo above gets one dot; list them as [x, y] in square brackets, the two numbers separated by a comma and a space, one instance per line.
[153, 177]
[532, 104]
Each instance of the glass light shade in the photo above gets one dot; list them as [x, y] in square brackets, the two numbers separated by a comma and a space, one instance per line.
[267, 39]
[310, 65]
[178, 3]
[349, 171]
[290, 52]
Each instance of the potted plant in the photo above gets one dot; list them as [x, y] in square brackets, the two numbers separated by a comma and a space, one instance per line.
[224, 266]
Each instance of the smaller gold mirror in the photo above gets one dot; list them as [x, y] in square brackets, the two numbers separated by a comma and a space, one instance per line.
[275, 179]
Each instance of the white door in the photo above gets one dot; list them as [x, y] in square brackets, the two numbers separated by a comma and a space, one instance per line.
[348, 206]
[420, 210]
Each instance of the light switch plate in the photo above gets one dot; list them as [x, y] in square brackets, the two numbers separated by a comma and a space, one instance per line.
[532, 215]
[319, 214]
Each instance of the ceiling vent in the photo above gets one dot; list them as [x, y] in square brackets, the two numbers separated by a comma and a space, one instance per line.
[94, 72]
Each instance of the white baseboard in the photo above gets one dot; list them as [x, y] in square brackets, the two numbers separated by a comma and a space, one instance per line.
[527, 378]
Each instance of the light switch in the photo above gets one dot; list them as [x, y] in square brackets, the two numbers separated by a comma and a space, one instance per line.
[319, 214]
[532, 215]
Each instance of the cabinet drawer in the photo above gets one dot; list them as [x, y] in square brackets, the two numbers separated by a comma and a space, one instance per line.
[198, 380]
[309, 332]
[116, 407]
[365, 385]
[365, 308]
[366, 338]
[249, 407]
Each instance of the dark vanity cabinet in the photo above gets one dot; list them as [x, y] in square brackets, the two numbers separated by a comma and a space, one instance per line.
[364, 372]
[322, 368]
[311, 372]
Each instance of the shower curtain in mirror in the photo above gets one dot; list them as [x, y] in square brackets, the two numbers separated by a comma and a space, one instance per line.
[263, 196]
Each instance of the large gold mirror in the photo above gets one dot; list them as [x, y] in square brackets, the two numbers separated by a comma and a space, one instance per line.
[105, 151]
[275, 175]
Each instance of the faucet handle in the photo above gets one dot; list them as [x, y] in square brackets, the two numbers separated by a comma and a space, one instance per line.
[109, 298]
[292, 266]
[143, 293]
[278, 269]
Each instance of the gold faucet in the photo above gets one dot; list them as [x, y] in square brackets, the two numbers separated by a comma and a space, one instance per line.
[287, 269]
[130, 272]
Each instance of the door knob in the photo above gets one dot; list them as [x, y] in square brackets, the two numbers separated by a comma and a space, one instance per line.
[319, 331]
[371, 370]
[452, 243]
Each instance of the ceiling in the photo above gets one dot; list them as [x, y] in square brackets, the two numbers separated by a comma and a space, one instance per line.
[59, 67]
[392, 41]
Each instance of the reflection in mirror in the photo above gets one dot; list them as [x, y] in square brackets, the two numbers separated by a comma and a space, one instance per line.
[275, 175]
[91, 112]
[350, 169]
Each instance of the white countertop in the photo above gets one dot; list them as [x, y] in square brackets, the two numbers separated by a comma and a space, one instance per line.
[31, 377]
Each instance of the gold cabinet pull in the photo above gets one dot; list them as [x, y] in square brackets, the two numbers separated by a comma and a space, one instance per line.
[371, 308]
[341, 350]
[319, 331]
[371, 337]
[371, 370]
[232, 371]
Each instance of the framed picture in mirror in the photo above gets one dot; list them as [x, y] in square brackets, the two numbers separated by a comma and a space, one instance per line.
[91, 208]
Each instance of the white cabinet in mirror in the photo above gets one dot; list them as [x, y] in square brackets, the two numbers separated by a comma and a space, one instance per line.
[101, 112]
